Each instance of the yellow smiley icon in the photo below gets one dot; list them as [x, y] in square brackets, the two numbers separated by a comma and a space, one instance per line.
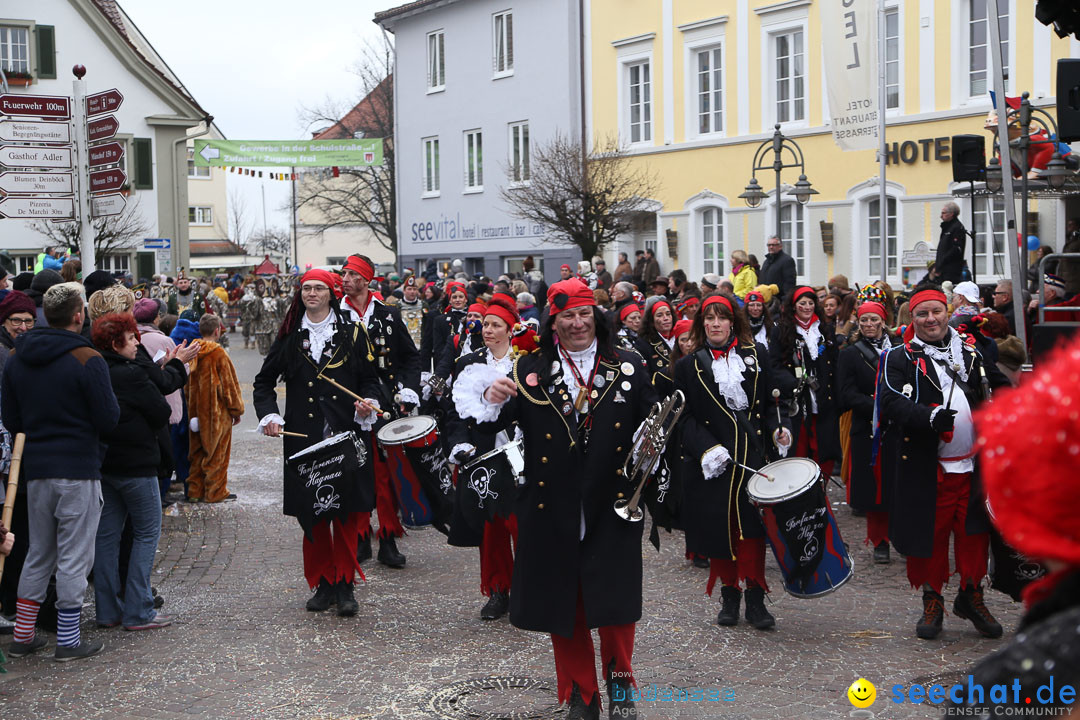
[862, 693]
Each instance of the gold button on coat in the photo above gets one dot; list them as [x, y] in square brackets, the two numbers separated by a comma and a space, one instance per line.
[543, 459]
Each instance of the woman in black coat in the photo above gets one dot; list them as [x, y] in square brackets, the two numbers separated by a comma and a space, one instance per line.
[129, 484]
[728, 385]
[803, 350]
[856, 372]
[655, 342]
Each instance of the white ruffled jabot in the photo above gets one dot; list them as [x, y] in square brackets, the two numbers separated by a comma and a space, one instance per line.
[320, 334]
[728, 373]
[811, 336]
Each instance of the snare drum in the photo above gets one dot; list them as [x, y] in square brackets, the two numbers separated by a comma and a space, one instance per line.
[802, 530]
[489, 483]
[421, 475]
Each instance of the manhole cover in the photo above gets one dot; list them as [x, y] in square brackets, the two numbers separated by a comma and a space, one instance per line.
[496, 698]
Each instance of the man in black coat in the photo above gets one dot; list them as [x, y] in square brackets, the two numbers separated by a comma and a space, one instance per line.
[398, 365]
[927, 392]
[949, 261]
[318, 339]
[578, 564]
[778, 268]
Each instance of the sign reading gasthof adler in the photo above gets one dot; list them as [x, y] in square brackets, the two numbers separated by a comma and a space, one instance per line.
[849, 35]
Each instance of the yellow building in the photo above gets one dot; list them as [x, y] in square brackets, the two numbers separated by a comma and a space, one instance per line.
[692, 87]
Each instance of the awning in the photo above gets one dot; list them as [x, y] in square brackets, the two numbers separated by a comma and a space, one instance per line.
[210, 262]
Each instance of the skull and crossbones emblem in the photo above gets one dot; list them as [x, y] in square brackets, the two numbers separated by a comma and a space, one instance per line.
[480, 483]
[326, 499]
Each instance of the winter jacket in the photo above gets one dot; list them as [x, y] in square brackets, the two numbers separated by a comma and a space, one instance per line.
[185, 330]
[156, 341]
[744, 281]
[779, 269]
[949, 262]
[133, 449]
[57, 390]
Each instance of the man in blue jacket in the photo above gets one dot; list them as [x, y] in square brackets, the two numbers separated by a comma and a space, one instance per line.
[56, 390]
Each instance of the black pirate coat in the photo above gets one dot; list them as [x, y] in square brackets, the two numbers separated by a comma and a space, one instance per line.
[907, 392]
[574, 473]
[314, 407]
[658, 362]
[856, 373]
[443, 327]
[465, 530]
[823, 369]
[396, 358]
[718, 510]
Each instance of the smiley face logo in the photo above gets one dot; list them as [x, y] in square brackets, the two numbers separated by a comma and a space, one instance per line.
[862, 693]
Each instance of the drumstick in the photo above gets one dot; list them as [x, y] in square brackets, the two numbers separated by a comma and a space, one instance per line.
[354, 396]
[776, 399]
[768, 477]
[292, 434]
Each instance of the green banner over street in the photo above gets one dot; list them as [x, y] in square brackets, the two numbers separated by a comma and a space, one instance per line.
[289, 153]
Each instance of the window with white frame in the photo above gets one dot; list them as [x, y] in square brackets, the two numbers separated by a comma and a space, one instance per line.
[436, 73]
[114, 263]
[474, 161]
[789, 76]
[873, 234]
[194, 171]
[15, 49]
[978, 37]
[892, 59]
[639, 101]
[520, 170]
[793, 234]
[26, 263]
[989, 237]
[712, 239]
[710, 89]
[431, 166]
[503, 43]
[200, 215]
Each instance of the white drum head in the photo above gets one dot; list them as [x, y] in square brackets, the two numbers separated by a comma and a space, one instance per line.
[332, 440]
[782, 480]
[405, 430]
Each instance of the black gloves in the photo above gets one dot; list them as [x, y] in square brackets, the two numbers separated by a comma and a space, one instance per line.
[943, 420]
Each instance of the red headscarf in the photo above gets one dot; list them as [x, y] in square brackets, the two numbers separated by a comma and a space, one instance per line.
[717, 299]
[683, 326]
[754, 296]
[478, 307]
[569, 294]
[318, 275]
[359, 265]
[871, 307]
[504, 310]
[918, 299]
[455, 286]
[627, 309]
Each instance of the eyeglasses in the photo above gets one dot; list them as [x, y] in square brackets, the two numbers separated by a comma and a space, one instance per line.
[19, 322]
[314, 289]
[1000, 292]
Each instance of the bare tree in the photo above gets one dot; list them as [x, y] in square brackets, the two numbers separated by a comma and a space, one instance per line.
[588, 209]
[117, 234]
[364, 196]
[275, 241]
[239, 224]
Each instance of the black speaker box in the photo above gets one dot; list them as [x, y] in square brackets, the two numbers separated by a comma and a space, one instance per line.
[968, 158]
[1068, 99]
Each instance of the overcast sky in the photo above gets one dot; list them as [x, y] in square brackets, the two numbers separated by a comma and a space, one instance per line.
[253, 64]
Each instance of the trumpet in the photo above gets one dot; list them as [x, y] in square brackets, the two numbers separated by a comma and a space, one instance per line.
[645, 453]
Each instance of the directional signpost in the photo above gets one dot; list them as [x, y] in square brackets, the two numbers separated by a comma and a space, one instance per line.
[41, 106]
[38, 208]
[102, 128]
[37, 131]
[103, 102]
[33, 183]
[107, 180]
[107, 205]
[107, 154]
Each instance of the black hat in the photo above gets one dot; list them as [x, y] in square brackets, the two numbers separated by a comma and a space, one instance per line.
[97, 280]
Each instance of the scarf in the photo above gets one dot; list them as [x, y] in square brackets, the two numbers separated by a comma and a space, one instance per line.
[950, 353]
[320, 334]
[727, 370]
[811, 335]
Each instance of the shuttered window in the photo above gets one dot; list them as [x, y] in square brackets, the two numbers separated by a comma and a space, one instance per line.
[142, 149]
[45, 42]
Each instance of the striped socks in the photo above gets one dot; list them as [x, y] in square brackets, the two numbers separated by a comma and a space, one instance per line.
[67, 626]
[26, 612]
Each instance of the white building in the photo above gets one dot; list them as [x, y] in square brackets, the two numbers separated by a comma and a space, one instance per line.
[476, 82]
[46, 38]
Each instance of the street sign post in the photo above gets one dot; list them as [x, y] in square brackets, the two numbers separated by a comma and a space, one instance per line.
[56, 107]
[35, 131]
[108, 154]
[103, 102]
[157, 243]
[102, 128]
[38, 208]
[27, 156]
[107, 205]
[36, 182]
[107, 180]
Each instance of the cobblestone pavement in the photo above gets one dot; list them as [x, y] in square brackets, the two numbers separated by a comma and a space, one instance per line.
[244, 647]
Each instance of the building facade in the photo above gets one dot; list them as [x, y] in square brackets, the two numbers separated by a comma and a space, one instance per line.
[693, 87]
[477, 85]
[45, 39]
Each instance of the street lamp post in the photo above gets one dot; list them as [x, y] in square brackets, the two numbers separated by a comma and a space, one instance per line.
[778, 144]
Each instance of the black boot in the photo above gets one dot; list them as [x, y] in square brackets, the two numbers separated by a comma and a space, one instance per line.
[388, 553]
[323, 598]
[929, 626]
[346, 603]
[576, 709]
[969, 605]
[730, 596]
[496, 606]
[700, 561]
[363, 549]
[756, 614]
[881, 553]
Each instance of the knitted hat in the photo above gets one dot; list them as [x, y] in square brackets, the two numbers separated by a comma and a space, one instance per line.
[145, 310]
[16, 302]
[45, 280]
[1011, 352]
[712, 280]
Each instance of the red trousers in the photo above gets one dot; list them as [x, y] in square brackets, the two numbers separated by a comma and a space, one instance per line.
[749, 565]
[497, 555]
[807, 446]
[386, 504]
[877, 527]
[575, 657]
[972, 551]
[332, 555]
